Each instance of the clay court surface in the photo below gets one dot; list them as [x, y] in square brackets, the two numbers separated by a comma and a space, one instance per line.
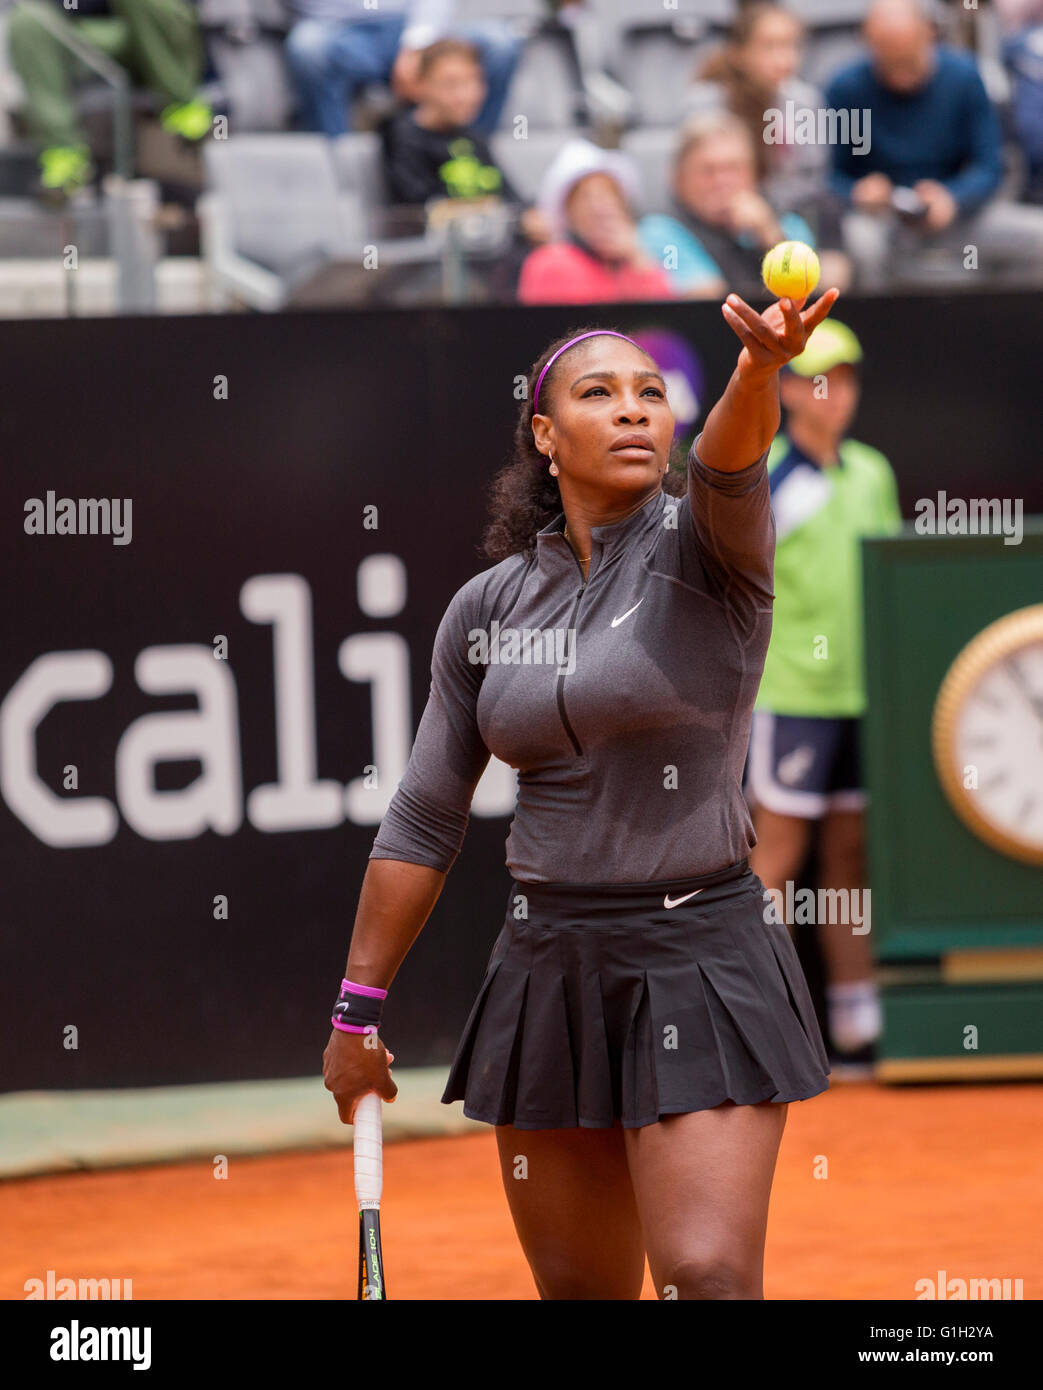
[920, 1179]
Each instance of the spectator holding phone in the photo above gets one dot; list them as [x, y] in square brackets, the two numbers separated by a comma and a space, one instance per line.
[928, 179]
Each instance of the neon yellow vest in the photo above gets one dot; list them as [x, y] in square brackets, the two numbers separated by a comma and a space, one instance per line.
[815, 662]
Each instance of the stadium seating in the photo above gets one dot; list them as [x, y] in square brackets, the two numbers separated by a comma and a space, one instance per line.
[652, 53]
[279, 202]
[547, 86]
[653, 147]
[833, 37]
[280, 206]
[524, 161]
[244, 41]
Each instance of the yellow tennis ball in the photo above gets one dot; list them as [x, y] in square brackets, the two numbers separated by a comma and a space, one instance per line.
[791, 270]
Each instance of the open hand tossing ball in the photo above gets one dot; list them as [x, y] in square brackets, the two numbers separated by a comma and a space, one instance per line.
[790, 270]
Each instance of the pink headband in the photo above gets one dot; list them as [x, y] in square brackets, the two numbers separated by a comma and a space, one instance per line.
[594, 333]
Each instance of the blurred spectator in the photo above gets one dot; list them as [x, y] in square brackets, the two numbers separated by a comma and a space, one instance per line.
[1023, 56]
[158, 43]
[337, 46]
[754, 72]
[1018, 14]
[434, 151]
[435, 159]
[928, 178]
[587, 197]
[723, 224]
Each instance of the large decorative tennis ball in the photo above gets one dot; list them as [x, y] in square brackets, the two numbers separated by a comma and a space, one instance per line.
[791, 270]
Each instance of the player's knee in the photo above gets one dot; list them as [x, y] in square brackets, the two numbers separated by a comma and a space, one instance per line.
[709, 1275]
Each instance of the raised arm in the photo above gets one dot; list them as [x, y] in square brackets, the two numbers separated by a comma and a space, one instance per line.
[728, 490]
[745, 420]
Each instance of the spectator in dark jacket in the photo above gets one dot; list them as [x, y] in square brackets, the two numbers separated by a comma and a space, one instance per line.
[433, 151]
[929, 172]
[435, 158]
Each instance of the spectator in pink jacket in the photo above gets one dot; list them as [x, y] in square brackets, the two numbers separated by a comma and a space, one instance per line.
[588, 197]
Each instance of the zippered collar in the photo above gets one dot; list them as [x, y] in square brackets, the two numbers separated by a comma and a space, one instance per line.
[550, 539]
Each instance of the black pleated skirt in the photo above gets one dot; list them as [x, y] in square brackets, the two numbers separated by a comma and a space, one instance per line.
[608, 1004]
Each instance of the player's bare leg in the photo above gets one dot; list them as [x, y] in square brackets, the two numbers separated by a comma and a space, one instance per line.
[573, 1206]
[703, 1182]
[842, 866]
[781, 849]
[852, 996]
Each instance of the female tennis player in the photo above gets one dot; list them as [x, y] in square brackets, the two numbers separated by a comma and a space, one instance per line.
[643, 1022]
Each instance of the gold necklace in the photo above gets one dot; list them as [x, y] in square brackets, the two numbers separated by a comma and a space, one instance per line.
[581, 558]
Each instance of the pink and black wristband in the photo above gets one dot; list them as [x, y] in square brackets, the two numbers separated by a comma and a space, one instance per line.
[362, 1004]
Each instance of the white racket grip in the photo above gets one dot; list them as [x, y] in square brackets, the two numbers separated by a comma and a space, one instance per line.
[368, 1148]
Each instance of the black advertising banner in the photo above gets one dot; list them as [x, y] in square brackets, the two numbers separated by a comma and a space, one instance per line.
[227, 543]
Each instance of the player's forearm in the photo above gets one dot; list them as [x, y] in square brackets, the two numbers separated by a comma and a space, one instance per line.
[394, 903]
[743, 422]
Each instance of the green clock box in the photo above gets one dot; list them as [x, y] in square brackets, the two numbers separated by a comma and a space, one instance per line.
[955, 815]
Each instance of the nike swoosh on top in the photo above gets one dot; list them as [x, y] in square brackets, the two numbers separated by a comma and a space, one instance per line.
[617, 621]
[668, 903]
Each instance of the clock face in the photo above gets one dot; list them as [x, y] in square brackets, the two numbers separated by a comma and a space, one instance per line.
[988, 735]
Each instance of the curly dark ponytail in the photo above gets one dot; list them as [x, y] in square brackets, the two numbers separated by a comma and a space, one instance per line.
[523, 496]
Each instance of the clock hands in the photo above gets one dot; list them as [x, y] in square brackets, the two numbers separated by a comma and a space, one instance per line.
[1018, 677]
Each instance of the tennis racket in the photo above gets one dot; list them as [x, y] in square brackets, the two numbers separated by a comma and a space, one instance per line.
[369, 1184]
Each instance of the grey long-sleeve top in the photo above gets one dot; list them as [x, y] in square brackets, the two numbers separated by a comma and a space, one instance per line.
[626, 706]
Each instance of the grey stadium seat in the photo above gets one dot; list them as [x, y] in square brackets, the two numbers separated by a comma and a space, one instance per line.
[653, 52]
[652, 149]
[281, 199]
[244, 16]
[526, 14]
[828, 52]
[524, 161]
[634, 14]
[358, 165]
[546, 87]
[245, 41]
[279, 207]
[829, 14]
[656, 70]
